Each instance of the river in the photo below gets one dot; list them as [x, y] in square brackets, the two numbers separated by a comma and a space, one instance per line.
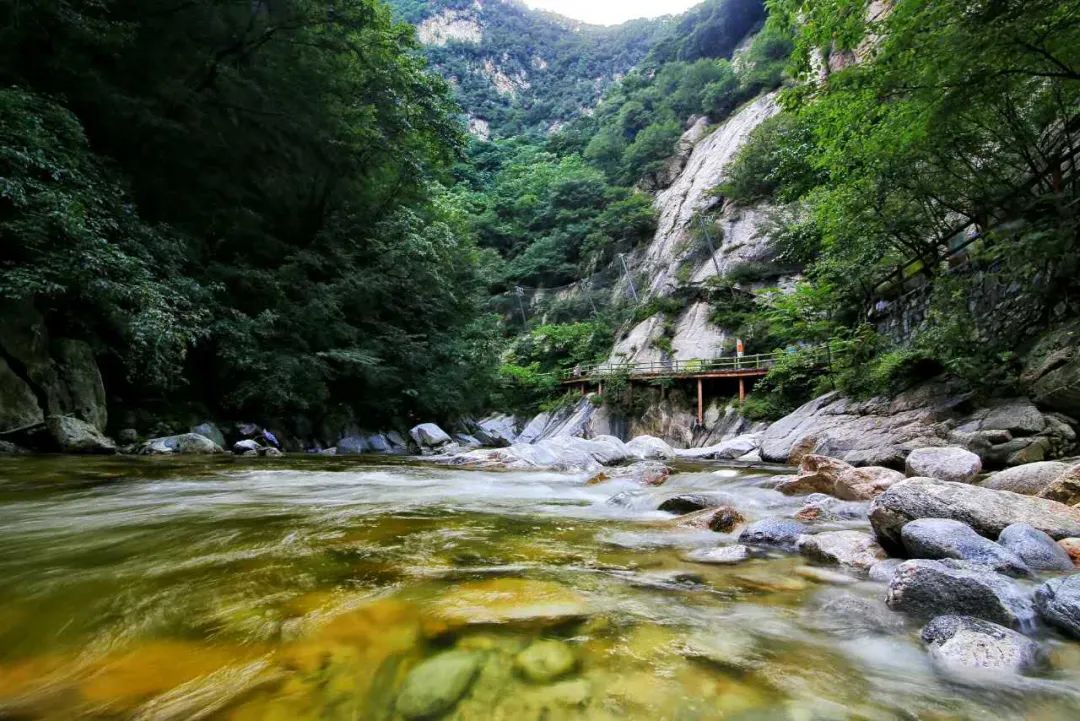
[310, 588]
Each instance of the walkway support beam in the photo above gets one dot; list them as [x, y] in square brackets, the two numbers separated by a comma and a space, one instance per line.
[742, 389]
[700, 403]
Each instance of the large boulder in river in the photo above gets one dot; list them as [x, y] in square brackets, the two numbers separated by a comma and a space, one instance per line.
[776, 532]
[72, 435]
[945, 464]
[725, 450]
[938, 538]
[1058, 602]
[1036, 549]
[925, 589]
[1065, 488]
[186, 444]
[1030, 479]
[650, 448]
[965, 643]
[866, 483]
[851, 549]
[985, 510]
[211, 431]
[429, 437]
[817, 474]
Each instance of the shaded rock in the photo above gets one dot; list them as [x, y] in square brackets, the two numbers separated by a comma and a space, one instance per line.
[925, 589]
[185, 444]
[946, 464]
[1052, 369]
[544, 661]
[966, 643]
[352, 446]
[1018, 416]
[721, 555]
[821, 507]
[1029, 479]
[852, 549]
[817, 474]
[726, 450]
[1058, 602]
[845, 614]
[272, 452]
[436, 685]
[498, 430]
[1036, 549]
[883, 571]
[985, 510]
[211, 431]
[246, 446]
[127, 436]
[866, 483]
[429, 436]
[690, 502]
[777, 532]
[1071, 546]
[71, 435]
[1065, 488]
[938, 538]
[650, 448]
[10, 449]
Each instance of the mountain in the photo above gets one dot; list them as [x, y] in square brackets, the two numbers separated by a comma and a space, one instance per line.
[517, 70]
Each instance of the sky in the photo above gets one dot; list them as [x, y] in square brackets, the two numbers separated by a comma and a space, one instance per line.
[611, 12]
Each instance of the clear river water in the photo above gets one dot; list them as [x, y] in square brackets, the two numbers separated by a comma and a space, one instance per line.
[304, 589]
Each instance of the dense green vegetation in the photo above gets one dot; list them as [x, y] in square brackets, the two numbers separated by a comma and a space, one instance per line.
[240, 203]
[959, 124]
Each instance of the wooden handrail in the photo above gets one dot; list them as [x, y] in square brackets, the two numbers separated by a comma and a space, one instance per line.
[675, 367]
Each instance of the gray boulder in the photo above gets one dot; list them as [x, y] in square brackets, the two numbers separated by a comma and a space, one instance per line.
[725, 450]
[822, 507]
[211, 431]
[690, 502]
[435, 686]
[945, 464]
[866, 483]
[925, 589]
[650, 448]
[985, 510]
[429, 436]
[883, 571]
[1036, 549]
[776, 532]
[966, 643]
[71, 435]
[851, 549]
[938, 538]
[1029, 479]
[720, 556]
[842, 613]
[1058, 602]
[245, 446]
[185, 444]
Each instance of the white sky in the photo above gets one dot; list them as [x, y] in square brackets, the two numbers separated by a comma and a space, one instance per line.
[611, 12]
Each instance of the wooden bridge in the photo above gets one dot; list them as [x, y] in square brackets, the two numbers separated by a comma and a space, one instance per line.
[737, 367]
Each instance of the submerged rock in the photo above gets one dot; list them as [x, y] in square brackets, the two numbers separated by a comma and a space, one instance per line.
[1058, 602]
[843, 613]
[965, 643]
[985, 510]
[946, 464]
[545, 661]
[1035, 548]
[507, 601]
[690, 502]
[851, 549]
[925, 589]
[821, 507]
[720, 556]
[938, 538]
[724, 519]
[777, 532]
[436, 685]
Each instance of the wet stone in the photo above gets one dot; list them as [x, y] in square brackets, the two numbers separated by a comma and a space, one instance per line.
[721, 556]
[544, 661]
[964, 643]
[776, 532]
[1035, 548]
[433, 687]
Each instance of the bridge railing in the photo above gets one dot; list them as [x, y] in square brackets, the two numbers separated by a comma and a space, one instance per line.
[695, 366]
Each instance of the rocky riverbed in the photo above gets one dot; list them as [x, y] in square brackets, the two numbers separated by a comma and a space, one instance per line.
[234, 588]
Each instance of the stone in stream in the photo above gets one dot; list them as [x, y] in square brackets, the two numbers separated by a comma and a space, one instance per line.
[649, 448]
[965, 643]
[825, 575]
[690, 502]
[851, 549]
[883, 571]
[1029, 479]
[845, 614]
[1058, 602]
[938, 538]
[244, 446]
[720, 556]
[823, 507]
[866, 483]
[987, 511]
[72, 435]
[1035, 548]
[514, 601]
[435, 686]
[211, 431]
[777, 532]
[925, 588]
[186, 444]
[1065, 488]
[429, 437]
[724, 519]
[817, 474]
[946, 464]
[544, 661]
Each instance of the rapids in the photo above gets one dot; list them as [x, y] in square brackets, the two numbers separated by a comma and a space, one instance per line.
[311, 588]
